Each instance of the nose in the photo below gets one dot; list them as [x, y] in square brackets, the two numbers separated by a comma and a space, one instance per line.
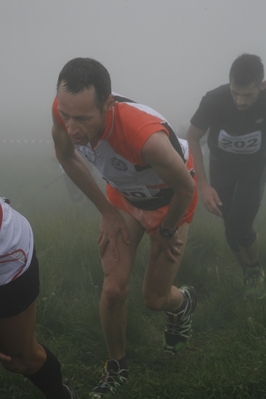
[240, 101]
[72, 126]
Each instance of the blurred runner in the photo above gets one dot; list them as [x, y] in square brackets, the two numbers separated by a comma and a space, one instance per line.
[19, 288]
[235, 115]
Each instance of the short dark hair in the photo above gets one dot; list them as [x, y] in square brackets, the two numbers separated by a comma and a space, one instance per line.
[82, 73]
[247, 69]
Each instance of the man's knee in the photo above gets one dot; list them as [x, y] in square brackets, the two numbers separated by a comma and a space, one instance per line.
[248, 239]
[16, 365]
[115, 292]
[237, 237]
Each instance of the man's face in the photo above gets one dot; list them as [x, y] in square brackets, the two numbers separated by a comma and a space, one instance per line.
[84, 121]
[244, 96]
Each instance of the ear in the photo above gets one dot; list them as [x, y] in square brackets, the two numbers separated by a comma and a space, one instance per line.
[109, 103]
[263, 85]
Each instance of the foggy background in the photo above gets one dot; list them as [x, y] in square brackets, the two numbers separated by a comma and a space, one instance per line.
[163, 53]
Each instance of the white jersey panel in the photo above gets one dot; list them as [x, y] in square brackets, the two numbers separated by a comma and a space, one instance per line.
[121, 174]
[16, 244]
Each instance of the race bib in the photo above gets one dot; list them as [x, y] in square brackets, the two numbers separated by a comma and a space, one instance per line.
[246, 144]
[134, 193]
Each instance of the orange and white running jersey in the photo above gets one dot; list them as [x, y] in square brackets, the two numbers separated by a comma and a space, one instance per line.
[117, 155]
[16, 243]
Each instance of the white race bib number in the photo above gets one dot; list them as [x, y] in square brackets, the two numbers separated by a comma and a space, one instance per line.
[246, 144]
[134, 193]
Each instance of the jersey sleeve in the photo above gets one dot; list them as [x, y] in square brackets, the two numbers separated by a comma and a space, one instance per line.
[140, 139]
[133, 129]
[202, 117]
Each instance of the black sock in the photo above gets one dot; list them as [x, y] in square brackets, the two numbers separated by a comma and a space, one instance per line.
[117, 365]
[49, 379]
[123, 363]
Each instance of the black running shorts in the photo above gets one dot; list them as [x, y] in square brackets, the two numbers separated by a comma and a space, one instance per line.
[16, 296]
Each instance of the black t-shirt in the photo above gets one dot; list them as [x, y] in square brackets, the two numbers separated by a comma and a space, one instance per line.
[237, 136]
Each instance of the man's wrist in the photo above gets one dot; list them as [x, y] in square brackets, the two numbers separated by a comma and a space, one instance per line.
[167, 233]
[203, 185]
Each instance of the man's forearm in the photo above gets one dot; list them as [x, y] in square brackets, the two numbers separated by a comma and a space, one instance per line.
[177, 209]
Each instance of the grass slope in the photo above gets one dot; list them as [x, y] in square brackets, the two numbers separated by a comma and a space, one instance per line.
[225, 358]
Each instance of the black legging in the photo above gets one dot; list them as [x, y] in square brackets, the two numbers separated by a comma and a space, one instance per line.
[240, 188]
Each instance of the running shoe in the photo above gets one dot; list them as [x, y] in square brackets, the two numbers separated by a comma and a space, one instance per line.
[254, 282]
[71, 391]
[178, 325]
[113, 378]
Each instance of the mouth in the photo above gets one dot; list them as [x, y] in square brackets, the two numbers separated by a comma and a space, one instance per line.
[78, 140]
[242, 107]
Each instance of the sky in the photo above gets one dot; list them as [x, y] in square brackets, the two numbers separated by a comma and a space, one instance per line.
[163, 53]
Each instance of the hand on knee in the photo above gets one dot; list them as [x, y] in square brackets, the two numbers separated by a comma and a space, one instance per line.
[5, 358]
[14, 365]
[25, 363]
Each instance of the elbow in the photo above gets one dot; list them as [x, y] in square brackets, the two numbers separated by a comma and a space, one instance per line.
[185, 196]
[185, 190]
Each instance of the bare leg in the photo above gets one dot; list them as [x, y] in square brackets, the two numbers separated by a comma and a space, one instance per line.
[17, 340]
[27, 357]
[158, 289]
[116, 287]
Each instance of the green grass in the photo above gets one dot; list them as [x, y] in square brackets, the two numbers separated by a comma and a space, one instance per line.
[226, 356]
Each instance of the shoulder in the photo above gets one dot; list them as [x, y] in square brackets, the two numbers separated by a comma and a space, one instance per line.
[121, 99]
[155, 146]
[133, 119]
[218, 94]
[134, 123]
[131, 107]
[125, 106]
[216, 101]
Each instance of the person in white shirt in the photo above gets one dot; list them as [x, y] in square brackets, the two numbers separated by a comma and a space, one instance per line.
[19, 288]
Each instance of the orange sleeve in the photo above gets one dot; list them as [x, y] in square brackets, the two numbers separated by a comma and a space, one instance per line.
[142, 136]
[133, 127]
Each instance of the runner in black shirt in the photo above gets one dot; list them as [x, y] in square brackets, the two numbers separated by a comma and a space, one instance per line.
[235, 115]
